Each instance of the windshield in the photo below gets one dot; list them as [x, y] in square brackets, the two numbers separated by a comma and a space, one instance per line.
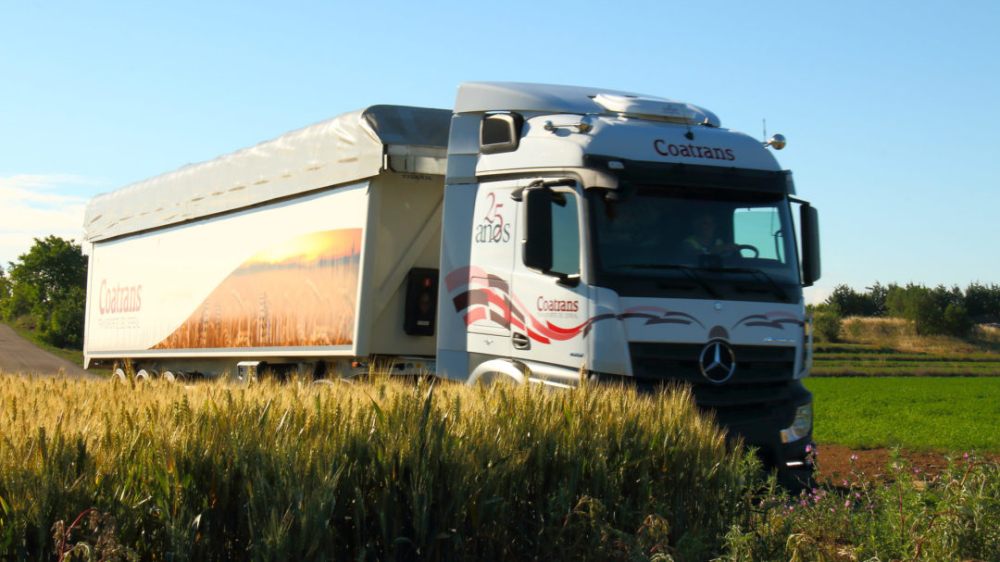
[695, 243]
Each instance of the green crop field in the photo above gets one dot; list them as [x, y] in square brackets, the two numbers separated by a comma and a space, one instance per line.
[873, 360]
[921, 413]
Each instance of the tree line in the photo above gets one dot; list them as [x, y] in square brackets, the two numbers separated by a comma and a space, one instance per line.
[45, 290]
[936, 310]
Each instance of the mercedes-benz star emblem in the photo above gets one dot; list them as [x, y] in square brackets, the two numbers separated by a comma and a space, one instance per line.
[717, 361]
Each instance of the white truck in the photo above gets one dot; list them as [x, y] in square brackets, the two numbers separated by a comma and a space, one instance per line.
[543, 234]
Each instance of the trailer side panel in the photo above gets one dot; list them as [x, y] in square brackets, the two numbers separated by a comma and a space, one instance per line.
[264, 282]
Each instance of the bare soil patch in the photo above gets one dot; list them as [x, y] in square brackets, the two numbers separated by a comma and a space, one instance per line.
[836, 463]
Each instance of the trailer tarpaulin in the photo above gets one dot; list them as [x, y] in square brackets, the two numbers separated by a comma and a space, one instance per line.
[341, 150]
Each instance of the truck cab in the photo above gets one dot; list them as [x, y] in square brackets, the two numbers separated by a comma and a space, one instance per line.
[600, 235]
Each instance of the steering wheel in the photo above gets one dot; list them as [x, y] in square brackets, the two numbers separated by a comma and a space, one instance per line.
[741, 247]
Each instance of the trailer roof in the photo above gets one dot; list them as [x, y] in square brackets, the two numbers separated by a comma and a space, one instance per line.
[344, 149]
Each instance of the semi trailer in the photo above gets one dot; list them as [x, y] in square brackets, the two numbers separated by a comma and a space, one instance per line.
[534, 233]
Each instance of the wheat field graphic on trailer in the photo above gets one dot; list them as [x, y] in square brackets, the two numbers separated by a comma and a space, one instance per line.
[301, 292]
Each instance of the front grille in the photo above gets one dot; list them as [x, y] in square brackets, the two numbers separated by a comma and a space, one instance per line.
[671, 362]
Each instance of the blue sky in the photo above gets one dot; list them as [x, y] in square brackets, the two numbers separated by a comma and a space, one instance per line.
[891, 108]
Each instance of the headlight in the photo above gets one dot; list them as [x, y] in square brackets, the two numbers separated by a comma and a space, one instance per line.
[801, 426]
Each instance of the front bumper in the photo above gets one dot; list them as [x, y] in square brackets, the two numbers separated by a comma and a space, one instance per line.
[760, 424]
[756, 404]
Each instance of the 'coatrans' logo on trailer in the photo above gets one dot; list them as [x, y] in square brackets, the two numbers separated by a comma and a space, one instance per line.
[118, 299]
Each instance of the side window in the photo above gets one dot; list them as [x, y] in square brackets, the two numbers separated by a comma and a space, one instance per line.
[760, 228]
[565, 234]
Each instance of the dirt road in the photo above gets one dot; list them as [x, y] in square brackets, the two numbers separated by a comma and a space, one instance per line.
[18, 355]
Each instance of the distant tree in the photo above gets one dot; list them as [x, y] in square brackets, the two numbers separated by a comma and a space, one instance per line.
[64, 323]
[877, 295]
[849, 302]
[925, 312]
[897, 300]
[48, 285]
[4, 288]
[940, 310]
[956, 321]
[846, 301]
[982, 302]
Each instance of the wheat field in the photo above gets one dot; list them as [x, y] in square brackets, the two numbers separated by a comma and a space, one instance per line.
[369, 471]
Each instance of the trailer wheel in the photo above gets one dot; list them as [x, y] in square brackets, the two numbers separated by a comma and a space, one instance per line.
[168, 376]
[142, 375]
[119, 375]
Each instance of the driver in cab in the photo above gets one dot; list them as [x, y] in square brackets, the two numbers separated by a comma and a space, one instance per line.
[704, 241]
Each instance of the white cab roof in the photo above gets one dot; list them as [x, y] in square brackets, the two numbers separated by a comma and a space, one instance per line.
[476, 97]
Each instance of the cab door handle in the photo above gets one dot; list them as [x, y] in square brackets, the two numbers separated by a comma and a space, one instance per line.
[520, 340]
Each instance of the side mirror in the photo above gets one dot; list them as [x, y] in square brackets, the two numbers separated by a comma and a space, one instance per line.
[537, 244]
[809, 220]
[500, 132]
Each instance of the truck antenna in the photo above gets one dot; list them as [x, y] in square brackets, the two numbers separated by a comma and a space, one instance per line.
[763, 123]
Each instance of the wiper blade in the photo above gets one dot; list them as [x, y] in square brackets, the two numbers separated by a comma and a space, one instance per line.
[759, 273]
[687, 269]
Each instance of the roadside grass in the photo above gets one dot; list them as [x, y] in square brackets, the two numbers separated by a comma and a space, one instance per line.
[893, 364]
[899, 334]
[889, 347]
[919, 413]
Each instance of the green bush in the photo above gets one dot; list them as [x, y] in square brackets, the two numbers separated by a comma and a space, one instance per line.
[61, 324]
[956, 321]
[826, 326]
